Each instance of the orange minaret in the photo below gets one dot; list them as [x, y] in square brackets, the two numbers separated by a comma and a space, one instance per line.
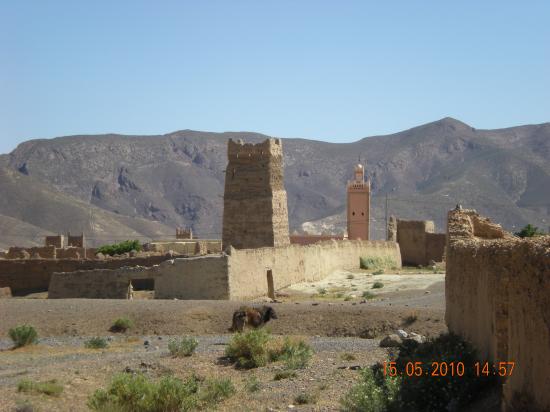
[358, 205]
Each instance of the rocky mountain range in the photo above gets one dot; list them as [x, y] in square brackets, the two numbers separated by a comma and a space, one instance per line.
[114, 187]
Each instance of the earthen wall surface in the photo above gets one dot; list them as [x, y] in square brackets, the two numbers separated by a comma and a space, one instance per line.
[240, 275]
[295, 263]
[255, 203]
[305, 240]
[498, 298]
[417, 240]
[33, 275]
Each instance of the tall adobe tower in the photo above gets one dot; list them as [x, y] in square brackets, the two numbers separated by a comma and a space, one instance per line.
[358, 205]
[255, 212]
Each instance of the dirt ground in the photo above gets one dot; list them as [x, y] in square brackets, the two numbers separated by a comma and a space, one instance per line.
[335, 322]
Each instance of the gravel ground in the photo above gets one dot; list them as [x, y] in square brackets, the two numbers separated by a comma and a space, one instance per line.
[332, 326]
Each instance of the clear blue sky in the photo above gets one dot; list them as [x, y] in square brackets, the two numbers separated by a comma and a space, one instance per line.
[329, 70]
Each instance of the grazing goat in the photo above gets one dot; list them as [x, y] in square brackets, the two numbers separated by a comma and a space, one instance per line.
[253, 317]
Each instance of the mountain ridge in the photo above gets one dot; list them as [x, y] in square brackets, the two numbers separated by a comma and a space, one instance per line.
[176, 179]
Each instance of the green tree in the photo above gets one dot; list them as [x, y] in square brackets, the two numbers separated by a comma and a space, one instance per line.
[529, 231]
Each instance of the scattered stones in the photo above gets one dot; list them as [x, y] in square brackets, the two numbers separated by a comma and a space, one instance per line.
[402, 334]
[133, 253]
[100, 256]
[416, 337]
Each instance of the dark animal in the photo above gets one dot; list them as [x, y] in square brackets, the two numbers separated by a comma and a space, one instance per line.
[252, 317]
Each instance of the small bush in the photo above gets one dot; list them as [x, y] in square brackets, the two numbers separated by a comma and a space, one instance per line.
[377, 285]
[50, 388]
[322, 291]
[216, 390]
[378, 272]
[350, 276]
[183, 347]
[368, 295]
[373, 393]
[136, 393]
[252, 384]
[443, 392]
[120, 248]
[122, 325]
[371, 263]
[339, 295]
[305, 398]
[347, 298]
[284, 374]
[249, 349]
[96, 343]
[295, 354]
[529, 231]
[347, 356]
[23, 335]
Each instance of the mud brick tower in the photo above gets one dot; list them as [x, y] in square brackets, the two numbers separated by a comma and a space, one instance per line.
[358, 205]
[255, 210]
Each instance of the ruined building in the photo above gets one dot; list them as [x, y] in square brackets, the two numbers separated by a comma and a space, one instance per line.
[255, 210]
[358, 205]
[497, 294]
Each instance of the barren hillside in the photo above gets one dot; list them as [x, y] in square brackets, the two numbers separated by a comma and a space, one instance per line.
[123, 186]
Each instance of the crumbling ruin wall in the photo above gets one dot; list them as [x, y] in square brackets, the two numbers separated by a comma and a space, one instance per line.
[187, 247]
[95, 284]
[255, 210]
[498, 298]
[291, 264]
[72, 253]
[204, 277]
[305, 240]
[418, 243]
[33, 275]
[435, 247]
[44, 252]
[56, 241]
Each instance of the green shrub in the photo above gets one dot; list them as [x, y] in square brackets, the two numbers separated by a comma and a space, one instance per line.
[295, 354]
[216, 390]
[136, 393]
[375, 262]
[378, 272]
[284, 374]
[96, 343]
[23, 335]
[252, 384]
[322, 291]
[120, 248]
[182, 347]
[368, 295]
[339, 295]
[122, 325]
[347, 298]
[529, 231]
[249, 349]
[305, 398]
[373, 393]
[440, 393]
[350, 276]
[377, 285]
[50, 388]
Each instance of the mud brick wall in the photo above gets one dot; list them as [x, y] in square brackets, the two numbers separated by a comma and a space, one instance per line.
[71, 253]
[255, 203]
[498, 298]
[417, 241]
[311, 239]
[45, 252]
[33, 275]
[295, 263]
[56, 241]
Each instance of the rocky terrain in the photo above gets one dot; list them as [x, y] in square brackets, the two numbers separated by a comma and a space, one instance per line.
[114, 186]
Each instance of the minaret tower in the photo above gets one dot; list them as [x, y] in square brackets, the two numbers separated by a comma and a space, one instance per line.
[358, 205]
